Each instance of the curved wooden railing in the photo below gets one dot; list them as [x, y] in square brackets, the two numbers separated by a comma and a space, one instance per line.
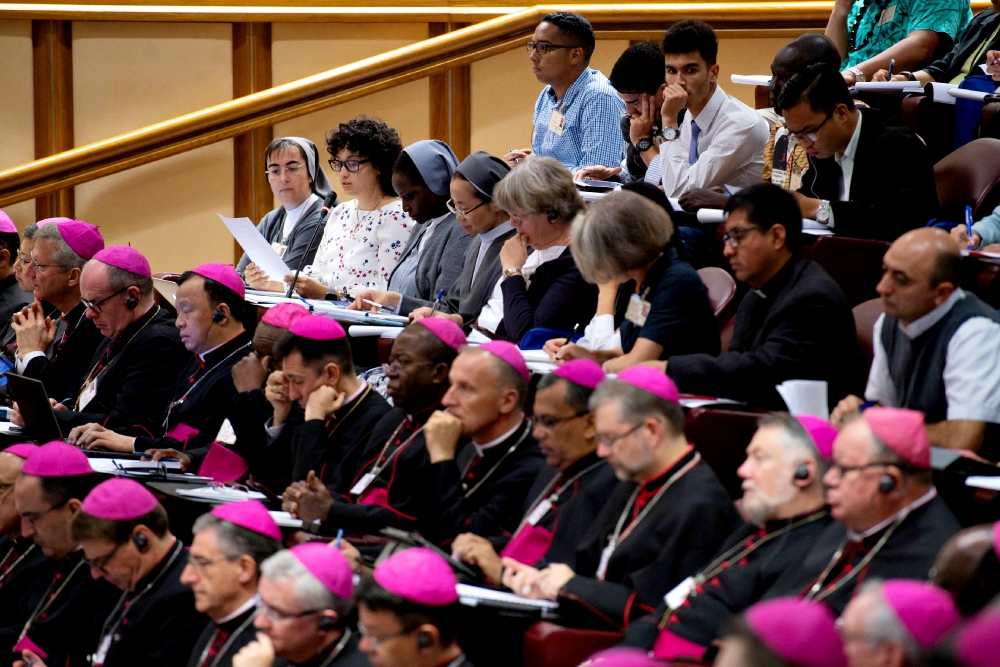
[364, 77]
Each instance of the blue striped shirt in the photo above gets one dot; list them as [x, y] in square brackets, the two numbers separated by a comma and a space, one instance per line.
[591, 132]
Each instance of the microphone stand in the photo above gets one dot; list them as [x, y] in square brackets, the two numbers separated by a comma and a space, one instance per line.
[295, 278]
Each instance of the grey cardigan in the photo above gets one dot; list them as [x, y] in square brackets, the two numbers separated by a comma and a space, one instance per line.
[297, 255]
[440, 262]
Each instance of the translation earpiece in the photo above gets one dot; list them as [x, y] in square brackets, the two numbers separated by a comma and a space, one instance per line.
[218, 316]
[886, 484]
[141, 542]
[801, 472]
[131, 303]
[326, 623]
[552, 215]
[424, 640]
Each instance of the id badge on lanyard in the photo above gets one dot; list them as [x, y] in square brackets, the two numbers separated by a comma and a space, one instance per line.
[98, 658]
[557, 122]
[363, 483]
[537, 513]
[279, 248]
[638, 310]
[88, 393]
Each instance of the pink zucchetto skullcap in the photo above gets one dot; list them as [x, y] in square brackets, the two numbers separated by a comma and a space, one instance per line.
[903, 431]
[317, 327]
[822, 432]
[328, 565]
[447, 331]
[222, 273]
[977, 644]
[22, 449]
[418, 575]
[6, 224]
[584, 372]
[119, 499]
[249, 514]
[623, 657]
[509, 353]
[126, 258]
[57, 459]
[82, 237]
[927, 612]
[651, 380]
[801, 633]
[284, 314]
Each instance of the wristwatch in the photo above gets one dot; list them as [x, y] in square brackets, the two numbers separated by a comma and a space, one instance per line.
[644, 144]
[859, 76]
[823, 212]
[670, 133]
[512, 271]
[909, 76]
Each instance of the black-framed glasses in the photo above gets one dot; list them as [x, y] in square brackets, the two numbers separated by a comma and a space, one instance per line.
[545, 47]
[548, 422]
[101, 562]
[610, 440]
[353, 166]
[456, 210]
[32, 518]
[734, 237]
[810, 134]
[292, 169]
[96, 305]
[843, 470]
[277, 615]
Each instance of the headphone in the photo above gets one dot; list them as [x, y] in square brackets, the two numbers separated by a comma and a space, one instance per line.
[552, 215]
[801, 472]
[218, 316]
[131, 302]
[424, 640]
[886, 484]
[326, 624]
[141, 542]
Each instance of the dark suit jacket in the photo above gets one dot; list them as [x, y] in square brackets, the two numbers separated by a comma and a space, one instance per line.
[892, 187]
[440, 263]
[980, 28]
[558, 298]
[801, 329]
[12, 299]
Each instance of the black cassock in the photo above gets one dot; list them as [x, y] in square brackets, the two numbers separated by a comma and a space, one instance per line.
[21, 561]
[66, 626]
[476, 494]
[575, 497]
[156, 624]
[218, 643]
[739, 575]
[134, 376]
[343, 653]
[908, 553]
[667, 529]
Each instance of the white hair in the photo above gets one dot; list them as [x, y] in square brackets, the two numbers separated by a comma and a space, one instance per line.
[882, 624]
[310, 593]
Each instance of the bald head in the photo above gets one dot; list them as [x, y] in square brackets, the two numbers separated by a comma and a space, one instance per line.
[921, 269]
[968, 568]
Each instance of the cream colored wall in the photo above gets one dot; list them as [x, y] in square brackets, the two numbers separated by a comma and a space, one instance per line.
[300, 50]
[746, 56]
[129, 75]
[17, 108]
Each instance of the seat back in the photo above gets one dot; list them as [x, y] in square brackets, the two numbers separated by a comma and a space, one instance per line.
[722, 436]
[855, 264]
[761, 97]
[865, 315]
[931, 121]
[549, 645]
[969, 176]
[721, 288]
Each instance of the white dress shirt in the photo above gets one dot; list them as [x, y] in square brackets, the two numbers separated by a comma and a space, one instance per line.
[971, 369]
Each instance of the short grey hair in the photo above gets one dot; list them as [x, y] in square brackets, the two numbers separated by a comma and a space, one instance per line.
[636, 405]
[310, 593]
[620, 233]
[882, 624]
[883, 453]
[235, 541]
[30, 231]
[795, 438]
[64, 255]
[539, 185]
[119, 280]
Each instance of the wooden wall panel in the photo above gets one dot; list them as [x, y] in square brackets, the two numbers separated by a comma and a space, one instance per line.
[52, 55]
[451, 103]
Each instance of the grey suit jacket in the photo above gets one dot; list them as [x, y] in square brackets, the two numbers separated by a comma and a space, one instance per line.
[440, 262]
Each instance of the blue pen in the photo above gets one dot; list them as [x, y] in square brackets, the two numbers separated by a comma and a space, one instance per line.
[336, 541]
[892, 63]
[867, 404]
[437, 301]
[968, 224]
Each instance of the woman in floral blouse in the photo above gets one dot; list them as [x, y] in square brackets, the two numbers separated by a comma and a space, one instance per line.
[364, 237]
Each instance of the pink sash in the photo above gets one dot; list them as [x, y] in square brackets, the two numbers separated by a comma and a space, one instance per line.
[378, 497]
[528, 545]
[668, 646]
[181, 432]
[26, 643]
[222, 464]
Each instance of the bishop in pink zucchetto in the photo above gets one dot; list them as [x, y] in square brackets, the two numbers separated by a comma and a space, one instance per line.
[283, 315]
[249, 514]
[584, 372]
[22, 449]
[126, 258]
[927, 612]
[651, 380]
[418, 575]
[119, 499]
[822, 432]
[318, 327]
[446, 331]
[903, 431]
[82, 237]
[57, 459]
[223, 274]
[801, 634]
[328, 565]
[977, 644]
[6, 224]
[509, 353]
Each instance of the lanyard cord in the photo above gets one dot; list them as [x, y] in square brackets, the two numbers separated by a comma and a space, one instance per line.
[90, 374]
[376, 469]
[357, 402]
[338, 648]
[47, 601]
[496, 465]
[179, 401]
[227, 644]
[105, 629]
[555, 496]
[13, 565]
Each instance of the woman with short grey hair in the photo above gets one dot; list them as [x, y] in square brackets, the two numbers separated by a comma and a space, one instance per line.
[543, 288]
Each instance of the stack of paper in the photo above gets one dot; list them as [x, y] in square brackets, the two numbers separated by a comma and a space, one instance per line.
[285, 519]
[473, 596]
[115, 466]
[218, 494]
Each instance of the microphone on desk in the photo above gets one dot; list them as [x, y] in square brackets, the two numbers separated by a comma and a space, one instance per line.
[305, 256]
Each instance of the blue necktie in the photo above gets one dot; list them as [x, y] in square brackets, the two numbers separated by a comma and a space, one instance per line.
[693, 152]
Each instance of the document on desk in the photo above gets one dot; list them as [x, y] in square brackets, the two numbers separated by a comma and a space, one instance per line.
[472, 596]
[217, 494]
[167, 288]
[805, 397]
[285, 519]
[890, 87]
[115, 466]
[751, 79]
[256, 247]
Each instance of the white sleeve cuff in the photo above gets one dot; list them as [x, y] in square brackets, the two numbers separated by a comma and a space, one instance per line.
[22, 363]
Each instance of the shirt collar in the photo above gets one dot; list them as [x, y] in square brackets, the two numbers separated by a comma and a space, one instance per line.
[481, 449]
[778, 280]
[923, 324]
[244, 608]
[487, 238]
[879, 527]
[711, 110]
[298, 210]
[204, 355]
[353, 397]
[574, 87]
[852, 145]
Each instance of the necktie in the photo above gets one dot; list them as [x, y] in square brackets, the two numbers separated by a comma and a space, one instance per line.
[693, 152]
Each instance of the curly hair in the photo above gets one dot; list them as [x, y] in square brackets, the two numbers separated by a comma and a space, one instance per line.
[370, 138]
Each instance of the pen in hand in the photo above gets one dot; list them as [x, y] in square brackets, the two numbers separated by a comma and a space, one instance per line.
[336, 541]
[968, 224]
[892, 64]
[437, 301]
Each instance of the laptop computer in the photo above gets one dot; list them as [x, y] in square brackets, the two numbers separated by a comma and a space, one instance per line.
[33, 402]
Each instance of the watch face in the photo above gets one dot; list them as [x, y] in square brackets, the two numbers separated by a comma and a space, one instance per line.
[643, 145]
[670, 133]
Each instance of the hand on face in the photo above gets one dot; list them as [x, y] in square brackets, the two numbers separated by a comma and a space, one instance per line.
[441, 433]
[675, 98]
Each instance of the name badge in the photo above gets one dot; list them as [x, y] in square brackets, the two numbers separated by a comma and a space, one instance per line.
[226, 434]
[557, 122]
[540, 511]
[779, 177]
[602, 567]
[279, 248]
[638, 310]
[88, 393]
[98, 658]
[887, 15]
[363, 483]
[675, 598]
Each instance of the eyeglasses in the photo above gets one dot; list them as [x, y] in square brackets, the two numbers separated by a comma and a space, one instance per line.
[277, 616]
[199, 563]
[352, 166]
[32, 518]
[545, 47]
[734, 237]
[454, 209]
[42, 267]
[101, 562]
[292, 169]
[96, 305]
[810, 135]
[376, 642]
[610, 440]
[24, 258]
[548, 423]
[843, 470]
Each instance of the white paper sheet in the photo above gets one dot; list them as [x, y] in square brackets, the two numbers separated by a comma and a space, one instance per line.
[890, 87]
[221, 495]
[805, 397]
[114, 466]
[751, 79]
[710, 216]
[285, 519]
[983, 482]
[256, 247]
[362, 331]
[471, 596]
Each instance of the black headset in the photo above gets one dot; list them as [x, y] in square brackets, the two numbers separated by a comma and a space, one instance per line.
[424, 640]
[326, 623]
[218, 316]
[131, 302]
[801, 472]
[141, 542]
[552, 215]
[886, 484]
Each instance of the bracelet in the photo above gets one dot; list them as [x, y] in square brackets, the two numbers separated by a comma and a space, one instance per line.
[909, 76]
[512, 272]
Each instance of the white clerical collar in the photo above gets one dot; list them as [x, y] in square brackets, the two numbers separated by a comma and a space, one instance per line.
[487, 238]
[244, 608]
[204, 354]
[481, 449]
[296, 213]
[923, 324]
[879, 527]
[357, 393]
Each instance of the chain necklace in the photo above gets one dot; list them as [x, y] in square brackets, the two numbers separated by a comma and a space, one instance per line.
[496, 465]
[229, 642]
[180, 401]
[47, 600]
[13, 565]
